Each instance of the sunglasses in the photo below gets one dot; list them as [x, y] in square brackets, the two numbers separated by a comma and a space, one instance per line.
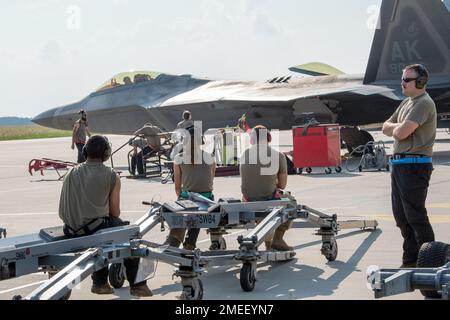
[408, 79]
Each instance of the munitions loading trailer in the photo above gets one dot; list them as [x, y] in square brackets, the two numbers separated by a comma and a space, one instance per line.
[72, 260]
[431, 277]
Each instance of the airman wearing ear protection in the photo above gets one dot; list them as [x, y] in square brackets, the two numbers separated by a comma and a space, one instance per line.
[413, 127]
[263, 173]
[90, 201]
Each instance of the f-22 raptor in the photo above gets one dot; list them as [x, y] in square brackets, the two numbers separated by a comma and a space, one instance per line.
[408, 31]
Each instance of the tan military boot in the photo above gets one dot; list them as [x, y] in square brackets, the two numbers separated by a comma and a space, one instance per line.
[278, 243]
[102, 289]
[175, 237]
[268, 242]
[141, 291]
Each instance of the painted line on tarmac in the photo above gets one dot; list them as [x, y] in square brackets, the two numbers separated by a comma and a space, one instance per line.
[22, 287]
[434, 219]
[13, 166]
[49, 213]
[444, 205]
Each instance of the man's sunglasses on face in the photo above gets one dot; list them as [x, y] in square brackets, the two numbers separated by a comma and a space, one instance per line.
[408, 79]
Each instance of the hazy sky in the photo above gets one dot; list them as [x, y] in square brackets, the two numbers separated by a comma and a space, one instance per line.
[56, 52]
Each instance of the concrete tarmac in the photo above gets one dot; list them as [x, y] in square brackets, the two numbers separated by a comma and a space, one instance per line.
[29, 203]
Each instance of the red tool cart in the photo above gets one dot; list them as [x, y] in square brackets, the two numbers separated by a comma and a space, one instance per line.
[318, 146]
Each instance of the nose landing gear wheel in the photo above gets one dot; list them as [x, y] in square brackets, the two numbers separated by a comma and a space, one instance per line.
[247, 277]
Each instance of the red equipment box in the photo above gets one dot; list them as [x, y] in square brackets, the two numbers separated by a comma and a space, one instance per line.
[319, 146]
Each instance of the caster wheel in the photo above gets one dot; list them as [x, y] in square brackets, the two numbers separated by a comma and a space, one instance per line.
[338, 169]
[328, 170]
[194, 292]
[360, 168]
[116, 275]
[247, 277]
[330, 250]
[218, 245]
[308, 170]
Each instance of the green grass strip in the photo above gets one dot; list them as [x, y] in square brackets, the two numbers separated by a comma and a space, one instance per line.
[30, 132]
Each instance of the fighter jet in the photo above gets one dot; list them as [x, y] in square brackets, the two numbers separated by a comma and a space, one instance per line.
[408, 31]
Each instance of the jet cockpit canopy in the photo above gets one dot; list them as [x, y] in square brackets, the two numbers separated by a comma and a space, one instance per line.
[128, 78]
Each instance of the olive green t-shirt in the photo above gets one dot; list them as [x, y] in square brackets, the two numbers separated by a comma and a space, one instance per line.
[85, 194]
[422, 111]
[139, 143]
[151, 134]
[259, 168]
[196, 177]
[80, 133]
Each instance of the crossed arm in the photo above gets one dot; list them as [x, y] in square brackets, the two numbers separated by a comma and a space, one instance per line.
[400, 131]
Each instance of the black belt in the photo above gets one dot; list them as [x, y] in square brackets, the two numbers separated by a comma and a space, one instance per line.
[88, 228]
[398, 156]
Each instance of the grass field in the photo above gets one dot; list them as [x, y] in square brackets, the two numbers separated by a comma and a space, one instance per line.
[30, 132]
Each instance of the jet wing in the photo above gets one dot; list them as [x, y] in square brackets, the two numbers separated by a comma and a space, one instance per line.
[267, 92]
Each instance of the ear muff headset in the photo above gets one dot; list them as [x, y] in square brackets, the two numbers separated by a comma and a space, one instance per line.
[422, 76]
[97, 142]
[256, 132]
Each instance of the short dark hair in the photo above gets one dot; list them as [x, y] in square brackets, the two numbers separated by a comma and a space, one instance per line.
[421, 71]
[96, 147]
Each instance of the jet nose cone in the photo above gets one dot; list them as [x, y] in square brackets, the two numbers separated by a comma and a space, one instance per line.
[45, 118]
[61, 118]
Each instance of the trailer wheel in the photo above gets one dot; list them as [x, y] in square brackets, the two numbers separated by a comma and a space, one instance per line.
[299, 170]
[433, 255]
[330, 249]
[328, 170]
[308, 170]
[218, 245]
[360, 168]
[116, 275]
[338, 169]
[247, 277]
[194, 292]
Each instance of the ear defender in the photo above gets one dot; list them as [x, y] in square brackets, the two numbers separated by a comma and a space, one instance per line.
[422, 78]
[108, 150]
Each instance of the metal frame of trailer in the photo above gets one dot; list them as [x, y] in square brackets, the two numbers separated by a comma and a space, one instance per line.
[72, 260]
[431, 276]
